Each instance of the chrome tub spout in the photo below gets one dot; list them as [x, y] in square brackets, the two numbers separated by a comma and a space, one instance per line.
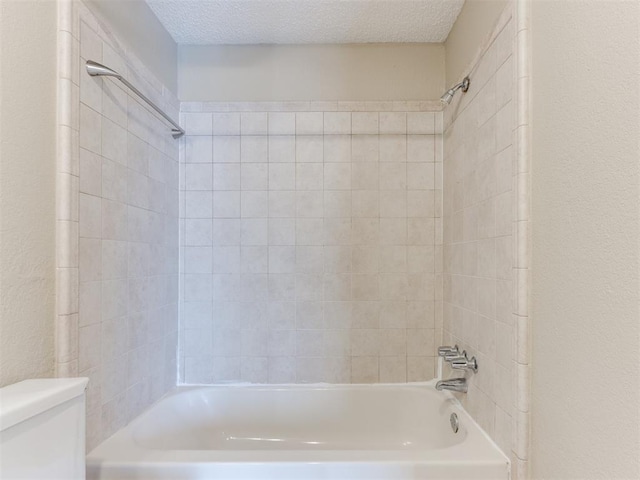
[453, 384]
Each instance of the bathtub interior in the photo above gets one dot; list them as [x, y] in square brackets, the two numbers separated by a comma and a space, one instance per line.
[314, 432]
[298, 418]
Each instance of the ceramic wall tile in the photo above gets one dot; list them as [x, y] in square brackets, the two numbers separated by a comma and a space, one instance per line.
[484, 287]
[113, 212]
[310, 219]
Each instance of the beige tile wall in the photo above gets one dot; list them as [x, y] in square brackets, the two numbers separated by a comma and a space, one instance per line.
[117, 229]
[309, 251]
[520, 448]
[478, 233]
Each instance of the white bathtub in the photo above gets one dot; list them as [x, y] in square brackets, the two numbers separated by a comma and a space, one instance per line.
[303, 433]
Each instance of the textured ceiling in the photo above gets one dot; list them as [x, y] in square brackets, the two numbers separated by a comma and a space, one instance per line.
[206, 22]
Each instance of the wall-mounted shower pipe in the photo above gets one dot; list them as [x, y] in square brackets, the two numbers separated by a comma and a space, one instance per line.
[448, 96]
[96, 69]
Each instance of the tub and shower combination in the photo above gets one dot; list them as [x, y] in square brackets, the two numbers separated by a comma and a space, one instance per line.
[336, 432]
[301, 432]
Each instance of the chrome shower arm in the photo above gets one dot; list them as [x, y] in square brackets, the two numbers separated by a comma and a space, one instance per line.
[463, 85]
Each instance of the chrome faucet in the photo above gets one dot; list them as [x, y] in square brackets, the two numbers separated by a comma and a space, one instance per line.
[463, 362]
[458, 361]
[449, 353]
[453, 384]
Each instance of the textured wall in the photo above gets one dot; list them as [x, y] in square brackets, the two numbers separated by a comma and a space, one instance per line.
[585, 240]
[478, 222]
[309, 247]
[27, 189]
[118, 229]
[473, 25]
[311, 72]
[139, 28]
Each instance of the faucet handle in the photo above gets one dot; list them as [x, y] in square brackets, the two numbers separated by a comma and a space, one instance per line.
[464, 363]
[448, 351]
[454, 357]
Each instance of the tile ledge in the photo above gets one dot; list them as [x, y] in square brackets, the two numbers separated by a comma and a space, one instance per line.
[314, 106]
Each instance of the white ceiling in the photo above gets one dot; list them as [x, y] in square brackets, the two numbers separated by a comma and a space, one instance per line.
[206, 22]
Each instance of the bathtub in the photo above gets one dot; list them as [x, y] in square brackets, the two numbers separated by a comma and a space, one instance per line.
[335, 432]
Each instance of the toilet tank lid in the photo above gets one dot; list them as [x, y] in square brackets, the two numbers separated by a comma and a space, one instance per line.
[26, 399]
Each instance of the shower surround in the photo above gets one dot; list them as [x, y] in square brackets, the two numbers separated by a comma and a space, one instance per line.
[117, 228]
[486, 233]
[301, 242]
[311, 245]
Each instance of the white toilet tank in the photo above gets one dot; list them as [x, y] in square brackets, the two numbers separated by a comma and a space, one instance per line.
[42, 429]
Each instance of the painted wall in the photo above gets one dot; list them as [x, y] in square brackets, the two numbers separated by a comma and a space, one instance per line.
[27, 189]
[139, 28]
[476, 20]
[586, 215]
[310, 246]
[311, 72]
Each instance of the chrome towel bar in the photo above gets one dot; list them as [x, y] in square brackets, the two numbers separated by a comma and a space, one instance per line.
[96, 69]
